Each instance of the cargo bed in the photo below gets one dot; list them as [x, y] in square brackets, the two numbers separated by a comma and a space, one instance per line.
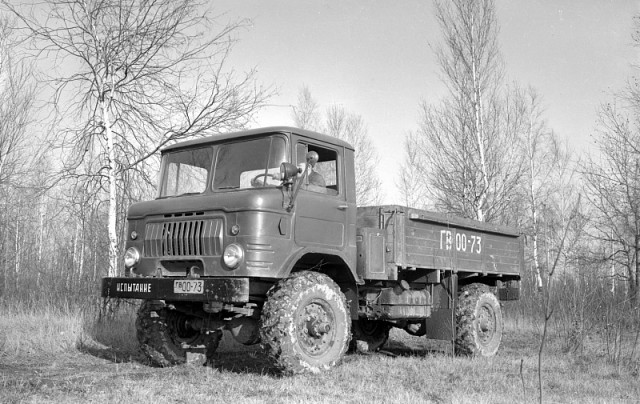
[394, 238]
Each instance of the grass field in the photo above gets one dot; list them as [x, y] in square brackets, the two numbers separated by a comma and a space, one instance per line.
[60, 356]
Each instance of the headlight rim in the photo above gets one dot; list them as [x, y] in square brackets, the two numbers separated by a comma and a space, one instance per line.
[233, 255]
[131, 257]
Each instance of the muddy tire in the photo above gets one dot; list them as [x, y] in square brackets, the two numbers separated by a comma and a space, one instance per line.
[305, 323]
[164, 338]
[478, 321]
[368, 335]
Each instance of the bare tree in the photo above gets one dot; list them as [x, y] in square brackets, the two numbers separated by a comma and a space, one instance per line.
[467, 145]
[16, 102]
[350, 127]
[306, 114]
[17, 95]
[612, 179]
[545, 165]
[472, 68]
[446, 158]
[135, 75]
[410, 184]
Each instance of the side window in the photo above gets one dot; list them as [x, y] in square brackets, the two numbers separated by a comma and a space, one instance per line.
[324, 176]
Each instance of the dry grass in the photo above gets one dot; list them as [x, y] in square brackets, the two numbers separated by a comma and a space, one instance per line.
[45, 331]
[58, 356]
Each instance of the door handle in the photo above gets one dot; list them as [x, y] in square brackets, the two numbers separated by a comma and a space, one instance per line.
[343, 207]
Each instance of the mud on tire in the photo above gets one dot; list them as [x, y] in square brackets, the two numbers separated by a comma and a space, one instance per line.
[305, 323]
[164, 338]
[478, 321]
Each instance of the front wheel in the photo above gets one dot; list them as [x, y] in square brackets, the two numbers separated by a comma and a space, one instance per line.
[165, 336]
[305, 323]
[478, 321]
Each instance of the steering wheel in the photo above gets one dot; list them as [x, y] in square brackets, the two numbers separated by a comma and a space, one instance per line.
[256, 184]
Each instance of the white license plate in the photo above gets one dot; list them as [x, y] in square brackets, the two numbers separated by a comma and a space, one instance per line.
[188, 286]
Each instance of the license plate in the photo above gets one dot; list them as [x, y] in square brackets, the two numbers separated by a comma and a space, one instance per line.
[188, 286]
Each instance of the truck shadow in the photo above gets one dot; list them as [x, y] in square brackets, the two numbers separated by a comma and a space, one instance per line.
[252, 361]
[112, 354]
[237, 358]
[425, 347]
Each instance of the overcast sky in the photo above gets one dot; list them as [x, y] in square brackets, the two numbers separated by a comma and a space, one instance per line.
[375, 59]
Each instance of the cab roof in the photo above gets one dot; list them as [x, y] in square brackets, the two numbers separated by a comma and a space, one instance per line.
[257, 133]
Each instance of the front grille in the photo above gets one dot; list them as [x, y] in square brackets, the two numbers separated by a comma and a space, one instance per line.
[183, 238]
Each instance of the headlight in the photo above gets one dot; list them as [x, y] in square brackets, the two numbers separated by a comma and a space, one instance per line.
[131, 257]
[233, 255]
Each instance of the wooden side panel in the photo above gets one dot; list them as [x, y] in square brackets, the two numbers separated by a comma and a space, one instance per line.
[420, 239]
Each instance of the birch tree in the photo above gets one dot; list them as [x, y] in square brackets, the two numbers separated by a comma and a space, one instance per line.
[410, 184]
[131, 76]
[467, 143]
[612, 179]
[548, 183]
[306, 113]
[471, 65]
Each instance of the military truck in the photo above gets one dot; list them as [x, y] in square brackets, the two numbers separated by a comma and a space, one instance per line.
[258, 233]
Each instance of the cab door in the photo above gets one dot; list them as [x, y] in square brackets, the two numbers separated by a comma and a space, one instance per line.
[321, 211]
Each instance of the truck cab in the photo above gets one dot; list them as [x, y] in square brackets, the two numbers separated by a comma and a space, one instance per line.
[222, 211]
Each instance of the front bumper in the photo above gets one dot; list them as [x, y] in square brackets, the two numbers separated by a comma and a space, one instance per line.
[225, 290]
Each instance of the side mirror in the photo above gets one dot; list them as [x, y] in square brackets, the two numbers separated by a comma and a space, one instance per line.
[288, 171]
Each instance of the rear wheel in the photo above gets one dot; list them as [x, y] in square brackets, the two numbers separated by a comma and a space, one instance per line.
[305, 323]
[478, 321]
[369, 335]
[165, 336]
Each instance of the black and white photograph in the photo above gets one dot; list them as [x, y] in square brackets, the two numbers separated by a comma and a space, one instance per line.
[319, 201]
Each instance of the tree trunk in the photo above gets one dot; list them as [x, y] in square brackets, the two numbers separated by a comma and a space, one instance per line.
[40, 241]
[635, 282]
[17, 255]
[479, 129]
[533, 200]
[95, 259]
[74, 255]
[113, 233]
[5, 250]
[81, 259]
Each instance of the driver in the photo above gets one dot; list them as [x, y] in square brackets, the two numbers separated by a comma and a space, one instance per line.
[316, 182]
[315, 178]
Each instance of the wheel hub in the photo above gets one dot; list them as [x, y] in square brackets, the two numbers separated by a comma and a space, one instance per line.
[486, 323]
[315, 327]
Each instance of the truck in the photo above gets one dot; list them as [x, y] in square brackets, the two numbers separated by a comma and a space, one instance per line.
[258, 233]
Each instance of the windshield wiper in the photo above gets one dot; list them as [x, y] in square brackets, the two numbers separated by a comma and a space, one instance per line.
[228, 187]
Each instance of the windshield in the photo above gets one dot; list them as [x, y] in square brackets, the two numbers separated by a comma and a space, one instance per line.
[186, 172]
[249, 164]
[246, 164]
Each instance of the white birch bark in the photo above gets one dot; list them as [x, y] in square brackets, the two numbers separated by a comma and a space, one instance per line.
[112, 210]
[479, 129]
